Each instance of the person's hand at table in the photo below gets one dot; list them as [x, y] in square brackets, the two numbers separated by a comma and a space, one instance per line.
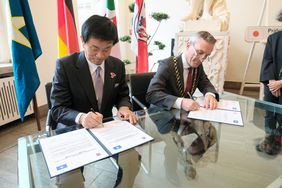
[210, 102]
[189, 105]
[124, 113]
[91, 119]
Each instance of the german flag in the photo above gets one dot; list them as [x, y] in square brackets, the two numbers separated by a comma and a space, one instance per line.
[67, 34]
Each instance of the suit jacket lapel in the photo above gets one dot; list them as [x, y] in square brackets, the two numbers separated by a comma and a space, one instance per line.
[195, 79]
[180, 68]
[84, 76]
[108, 82]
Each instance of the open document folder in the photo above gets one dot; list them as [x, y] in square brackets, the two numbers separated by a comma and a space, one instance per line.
[227, 112]
[74, 149]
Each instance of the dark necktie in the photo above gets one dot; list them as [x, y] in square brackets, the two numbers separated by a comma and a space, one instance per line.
[98, 85]
[189, 82]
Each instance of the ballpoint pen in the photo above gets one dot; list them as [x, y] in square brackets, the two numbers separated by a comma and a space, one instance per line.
[190, 96]
[193, 98]
[92, 110]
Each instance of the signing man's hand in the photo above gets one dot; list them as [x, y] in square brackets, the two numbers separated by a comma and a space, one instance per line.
[189, 105]
[91, 119]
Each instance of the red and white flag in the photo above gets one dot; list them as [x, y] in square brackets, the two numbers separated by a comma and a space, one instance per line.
[139, 37]
[110, 12]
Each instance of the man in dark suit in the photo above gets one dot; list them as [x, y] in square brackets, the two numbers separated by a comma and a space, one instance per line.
[88, 84]
[178, 77]
[271, 77]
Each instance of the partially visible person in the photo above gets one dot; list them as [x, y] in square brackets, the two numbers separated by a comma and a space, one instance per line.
[88, 84]
[178, 77]
[279, 16]
[271, 77]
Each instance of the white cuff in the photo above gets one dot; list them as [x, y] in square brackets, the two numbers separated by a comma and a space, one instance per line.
[209, 93]
[177, 103]
[77, 118]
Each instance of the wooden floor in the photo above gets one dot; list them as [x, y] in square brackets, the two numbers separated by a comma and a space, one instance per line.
[9, 135]
[8, 144]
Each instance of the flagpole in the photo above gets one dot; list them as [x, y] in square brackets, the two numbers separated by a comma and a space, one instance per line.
[36, 112]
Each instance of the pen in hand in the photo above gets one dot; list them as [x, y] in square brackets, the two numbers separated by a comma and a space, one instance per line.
[190, 96]
[194, 99]
[194, 105]
[100, 123]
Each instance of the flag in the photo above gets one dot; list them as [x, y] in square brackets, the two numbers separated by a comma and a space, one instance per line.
[67, 34]
[110, 13]
[139, 37]
[25, 49]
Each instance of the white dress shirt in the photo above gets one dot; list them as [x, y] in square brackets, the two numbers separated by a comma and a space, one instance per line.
[92, 69]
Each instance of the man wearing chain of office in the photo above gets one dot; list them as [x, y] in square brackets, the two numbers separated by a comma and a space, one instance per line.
[177, 78]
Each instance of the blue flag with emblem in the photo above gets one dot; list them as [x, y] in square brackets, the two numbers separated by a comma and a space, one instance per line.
[25, 49]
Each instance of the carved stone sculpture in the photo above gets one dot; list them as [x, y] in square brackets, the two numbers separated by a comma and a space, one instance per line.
[209, 10]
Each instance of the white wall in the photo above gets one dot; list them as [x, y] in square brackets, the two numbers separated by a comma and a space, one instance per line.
[243, 13]
[45, 20]
[124, 25]
[274, 7]
[168, 28]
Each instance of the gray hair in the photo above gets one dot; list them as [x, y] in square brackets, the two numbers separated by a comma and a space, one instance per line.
[204, 35]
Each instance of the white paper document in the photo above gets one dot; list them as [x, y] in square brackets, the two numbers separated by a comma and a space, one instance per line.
[227, 112]
[118, 136]
[70, 150]
[74, 149]
[222, 104]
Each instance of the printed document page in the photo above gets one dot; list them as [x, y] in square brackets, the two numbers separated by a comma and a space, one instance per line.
[118, 136]
[227, 112]
[223, 104]
[70, 150]
[218, 115]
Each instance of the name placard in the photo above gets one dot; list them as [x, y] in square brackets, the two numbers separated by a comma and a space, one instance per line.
[260, 33]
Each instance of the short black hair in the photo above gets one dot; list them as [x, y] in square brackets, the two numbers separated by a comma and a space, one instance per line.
[99, 27]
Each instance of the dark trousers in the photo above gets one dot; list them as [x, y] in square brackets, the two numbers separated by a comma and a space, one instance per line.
[273, 120]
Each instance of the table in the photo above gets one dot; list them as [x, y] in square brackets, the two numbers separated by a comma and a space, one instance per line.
[184, 153]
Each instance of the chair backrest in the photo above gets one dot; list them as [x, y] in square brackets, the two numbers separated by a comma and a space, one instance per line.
[139, 84]
[48, 87]
[50, 123]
